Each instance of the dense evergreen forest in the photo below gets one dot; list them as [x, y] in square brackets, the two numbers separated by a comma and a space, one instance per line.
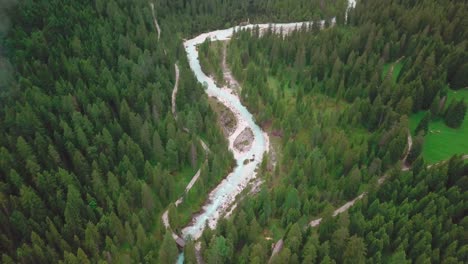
[90, 153]
[339, 118]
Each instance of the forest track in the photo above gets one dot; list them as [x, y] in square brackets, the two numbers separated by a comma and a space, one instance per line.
[175, 90]
[167, 225]
[155, 21]
[405, 164]
[349, 204]
[464, 157]
[165, 215]
[346, 206]
[405, 167]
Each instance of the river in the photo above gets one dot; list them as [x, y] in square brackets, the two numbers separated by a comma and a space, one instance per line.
[223, 196]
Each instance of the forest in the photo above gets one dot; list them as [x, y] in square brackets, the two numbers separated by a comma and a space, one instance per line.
[91, 154]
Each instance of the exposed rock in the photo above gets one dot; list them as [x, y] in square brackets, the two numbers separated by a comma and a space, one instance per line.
[227, 119]
[244, 141]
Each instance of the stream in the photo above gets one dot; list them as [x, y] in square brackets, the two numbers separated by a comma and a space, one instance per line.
[223, 196]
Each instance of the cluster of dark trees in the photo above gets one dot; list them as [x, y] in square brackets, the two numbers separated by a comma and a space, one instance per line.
[200, 15]
[342, 126]
[455, 113]
[211, 55]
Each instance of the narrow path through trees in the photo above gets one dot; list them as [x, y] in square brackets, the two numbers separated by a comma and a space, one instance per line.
[175, 90]
[404, 167]
[156, 24]
[165, 216]
[279, 245]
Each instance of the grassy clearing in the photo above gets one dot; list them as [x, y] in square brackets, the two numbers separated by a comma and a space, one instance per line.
[192, 203]
[184, 177]
[458, 94]
[442, 142]
[396, 69]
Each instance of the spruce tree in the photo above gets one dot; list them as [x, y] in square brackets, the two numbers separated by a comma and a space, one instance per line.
[168, 251]
[455, 114]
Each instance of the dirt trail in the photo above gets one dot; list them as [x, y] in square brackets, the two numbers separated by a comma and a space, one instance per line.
[276, 249]
[165, 215]
[340, 210]
[405, 165]
[192, 182]
[156, 24]
[381, 180]
[167, 225]
[464, 157]
[174, 91]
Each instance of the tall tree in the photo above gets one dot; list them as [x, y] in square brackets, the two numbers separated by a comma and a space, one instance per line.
[168, 251]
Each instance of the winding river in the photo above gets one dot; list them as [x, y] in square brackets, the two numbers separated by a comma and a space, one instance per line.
[223, 196]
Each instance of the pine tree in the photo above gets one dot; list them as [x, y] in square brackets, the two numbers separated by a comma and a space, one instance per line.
[423, 124]
[172, 155]
[355, 251]
[168, 251]
[189, 253]
[73, 209]
[455, 114]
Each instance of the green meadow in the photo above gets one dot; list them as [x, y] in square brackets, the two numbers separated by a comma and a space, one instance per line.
[441, 141]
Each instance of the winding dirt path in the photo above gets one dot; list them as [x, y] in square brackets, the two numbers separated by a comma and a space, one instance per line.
[165, 215]
[155, 21]
[405, 167]
[346, 206]
[464, 157]
[349, 204]
[175, 90]
[167, 225]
